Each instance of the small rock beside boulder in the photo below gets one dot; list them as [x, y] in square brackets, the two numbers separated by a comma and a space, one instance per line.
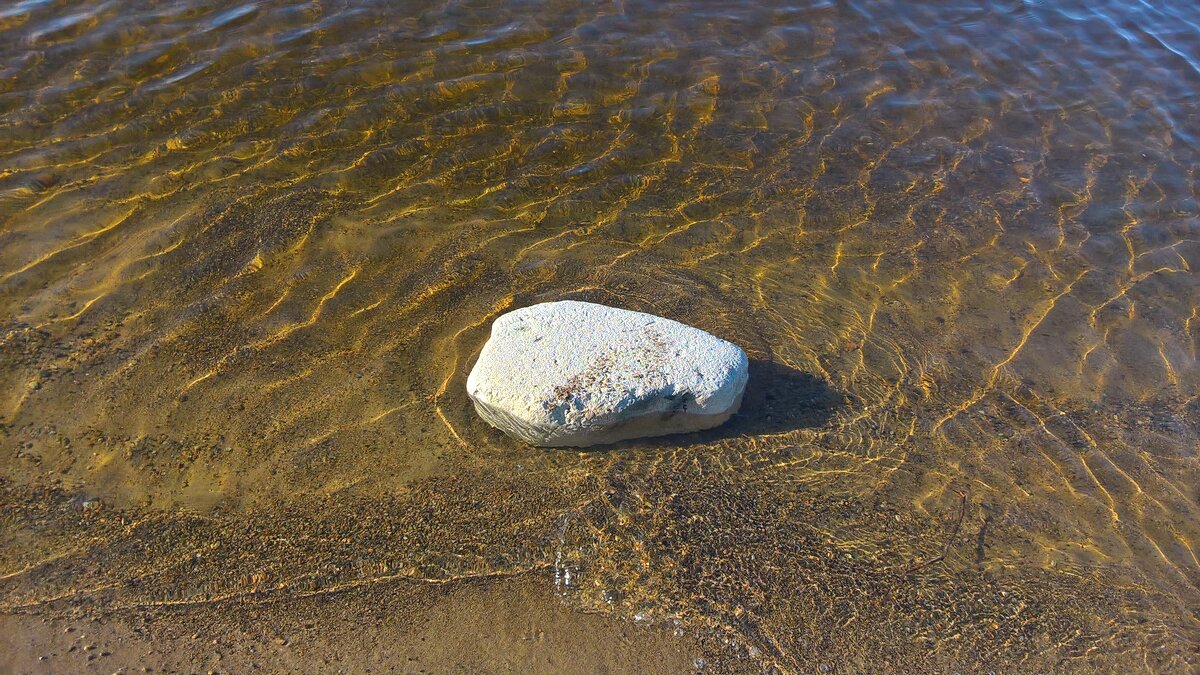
[577, 374]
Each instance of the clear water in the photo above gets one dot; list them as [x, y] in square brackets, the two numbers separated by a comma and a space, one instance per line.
[248, 253]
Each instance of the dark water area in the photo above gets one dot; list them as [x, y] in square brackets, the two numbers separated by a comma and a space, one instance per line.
[249, 252]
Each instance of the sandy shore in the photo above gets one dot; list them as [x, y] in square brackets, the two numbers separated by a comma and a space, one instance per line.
[510, 625]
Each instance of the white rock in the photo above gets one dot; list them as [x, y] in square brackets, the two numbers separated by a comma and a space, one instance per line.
[577, 373]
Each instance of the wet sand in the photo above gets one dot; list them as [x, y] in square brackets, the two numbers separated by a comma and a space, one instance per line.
[343, 579]
[501, 626]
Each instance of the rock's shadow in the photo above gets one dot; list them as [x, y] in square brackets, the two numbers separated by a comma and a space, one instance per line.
[778, 399]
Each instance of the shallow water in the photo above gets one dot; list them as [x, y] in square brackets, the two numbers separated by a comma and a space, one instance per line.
[248, 253]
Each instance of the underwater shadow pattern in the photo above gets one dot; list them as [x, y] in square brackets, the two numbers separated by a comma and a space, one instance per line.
[778, 399]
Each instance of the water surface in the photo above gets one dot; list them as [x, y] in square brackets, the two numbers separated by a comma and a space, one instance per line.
[249, 252]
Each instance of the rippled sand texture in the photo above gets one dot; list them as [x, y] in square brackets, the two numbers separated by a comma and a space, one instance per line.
[248, 253]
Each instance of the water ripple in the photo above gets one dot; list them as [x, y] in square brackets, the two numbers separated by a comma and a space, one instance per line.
[248, 252]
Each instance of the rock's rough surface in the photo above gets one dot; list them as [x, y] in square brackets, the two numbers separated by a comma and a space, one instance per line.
[576, 374]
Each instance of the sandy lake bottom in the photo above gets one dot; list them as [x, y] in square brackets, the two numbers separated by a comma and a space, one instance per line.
[250, 251]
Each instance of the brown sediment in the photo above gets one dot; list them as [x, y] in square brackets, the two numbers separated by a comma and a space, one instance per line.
[751, 576]
[471, 626]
